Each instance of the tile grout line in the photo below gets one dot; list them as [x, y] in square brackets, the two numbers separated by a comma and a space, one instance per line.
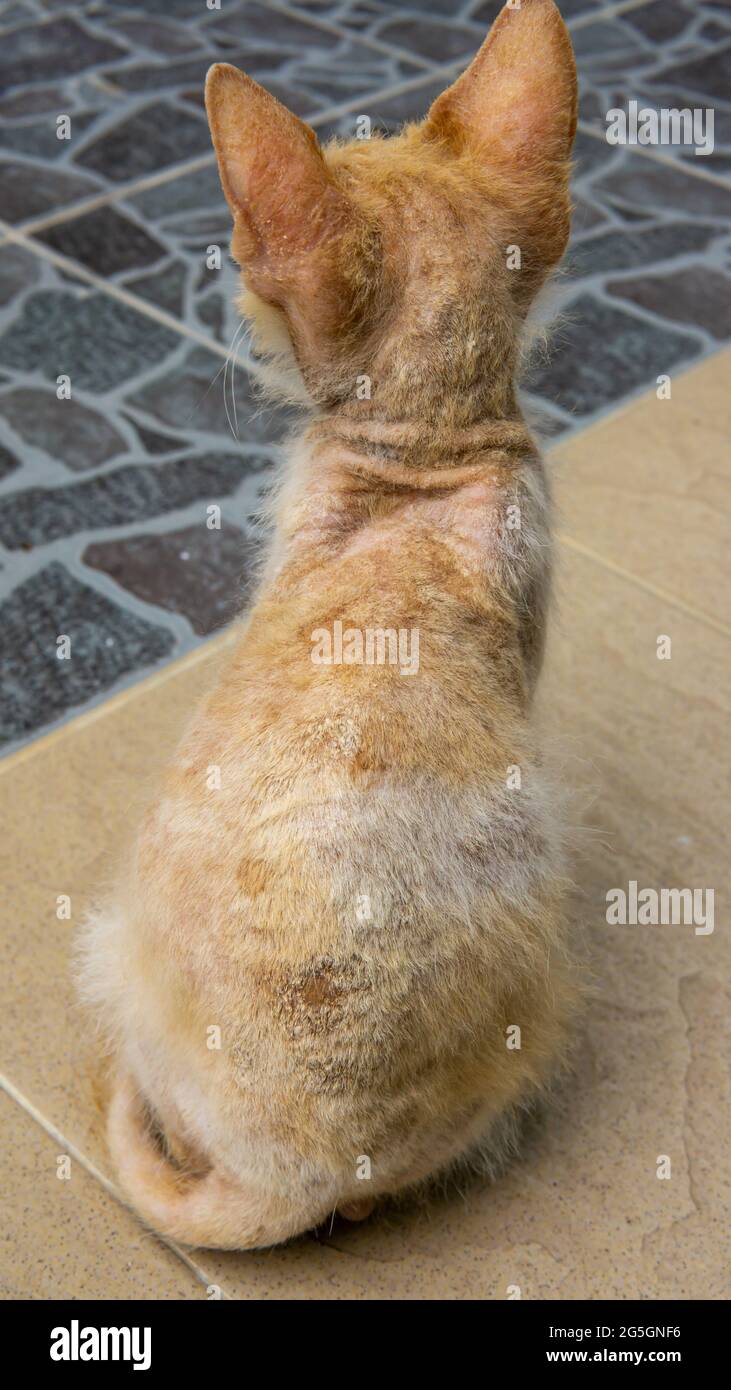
[331, 26]
[27, 1106]
[666, 160]
[125, 296]
[124, 191]
[119, 193]
[696, 614]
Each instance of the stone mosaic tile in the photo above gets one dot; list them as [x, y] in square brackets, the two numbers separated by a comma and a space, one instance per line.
[652, 217]
[695, 295]
[82, 438]
[132, 493]
[98, 341]
[675, 54]
[201, 573]
[8, 462]
[151, 138]
[388, 112]
[141, 454]
[602, 354]
[129, 78]
[31, 190]
[104, 241]
[19, 270]
[54, 48]
[105, 643]
[434, 31]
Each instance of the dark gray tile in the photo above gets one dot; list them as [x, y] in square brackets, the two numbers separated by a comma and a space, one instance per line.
[662, 22]
[708, 76]
[200, 573]
[8, 462]
[96, 340]
[257, 23]
[181, 196]
[183, 398]
[156, 76]
[31, 101]
[623, 250]
[388, 113]
[697, 295]
[647, 186]
[19, 269]
[105, 241]
[106, 644]
[158, 35]
[65, 429]
[153, 442]
[32, 190]
[608, 39]
[179, 9]
[602, 354]
[125, 495]
[164, 287]
[440, 42]
[51, 48]
[39, 139]
[150, 139]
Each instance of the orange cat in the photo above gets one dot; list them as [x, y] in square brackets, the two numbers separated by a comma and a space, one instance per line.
[348, 895]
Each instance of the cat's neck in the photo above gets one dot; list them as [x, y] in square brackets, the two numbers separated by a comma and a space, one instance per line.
[417, 447]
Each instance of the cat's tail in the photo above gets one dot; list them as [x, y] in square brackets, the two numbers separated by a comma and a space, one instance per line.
[210, 1208]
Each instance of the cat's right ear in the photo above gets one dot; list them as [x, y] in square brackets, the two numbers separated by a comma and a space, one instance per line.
[517, 100]
[285, 205]
[513, 113]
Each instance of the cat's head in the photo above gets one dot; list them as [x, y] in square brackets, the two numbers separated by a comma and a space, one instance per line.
[413, 260]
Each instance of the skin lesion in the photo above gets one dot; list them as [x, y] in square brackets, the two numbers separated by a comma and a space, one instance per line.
[317, 998]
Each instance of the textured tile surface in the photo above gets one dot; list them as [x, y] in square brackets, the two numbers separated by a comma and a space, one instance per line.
[158, 429]
[65, 1237]
[132, 450]
[649, 488]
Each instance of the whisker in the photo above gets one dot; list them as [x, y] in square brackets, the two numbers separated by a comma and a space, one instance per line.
[231, 362]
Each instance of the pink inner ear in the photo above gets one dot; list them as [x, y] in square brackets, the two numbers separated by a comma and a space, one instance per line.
[272, 170]
[518, 96]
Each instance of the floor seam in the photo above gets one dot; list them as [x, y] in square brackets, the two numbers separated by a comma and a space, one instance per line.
[655, 590]
[13, 1093]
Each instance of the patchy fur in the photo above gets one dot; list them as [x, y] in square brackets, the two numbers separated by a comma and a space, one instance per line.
[364, 905]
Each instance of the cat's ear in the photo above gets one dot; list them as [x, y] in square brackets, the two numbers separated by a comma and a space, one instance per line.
[285, 204]
[517, 100]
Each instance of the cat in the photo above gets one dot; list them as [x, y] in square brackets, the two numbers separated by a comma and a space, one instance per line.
[338, 961]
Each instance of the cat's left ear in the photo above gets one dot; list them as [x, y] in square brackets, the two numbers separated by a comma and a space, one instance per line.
[285, 204]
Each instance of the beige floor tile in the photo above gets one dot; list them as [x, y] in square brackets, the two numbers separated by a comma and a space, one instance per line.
[69, 802]
[582, 1213]
[649, 489]
[65, 1237]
